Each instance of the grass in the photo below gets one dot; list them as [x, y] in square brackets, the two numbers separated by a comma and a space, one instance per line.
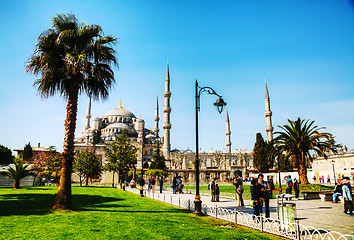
[106, 213]
[247, 194]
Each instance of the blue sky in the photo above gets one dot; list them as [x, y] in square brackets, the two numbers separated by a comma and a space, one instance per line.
[305, 49]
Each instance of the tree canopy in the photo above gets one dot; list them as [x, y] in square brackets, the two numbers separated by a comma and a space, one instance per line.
[27, 152]
[299, 139]
[21, 170]
[121, 155]
[88, 164]
[261, 160]
[6, 157]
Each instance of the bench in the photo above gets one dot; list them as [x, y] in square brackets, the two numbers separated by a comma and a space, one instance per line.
[315, 194]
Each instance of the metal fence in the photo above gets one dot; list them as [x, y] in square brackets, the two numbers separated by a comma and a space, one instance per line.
[274, 226]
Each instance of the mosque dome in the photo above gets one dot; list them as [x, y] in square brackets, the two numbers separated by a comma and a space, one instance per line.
[120, 112]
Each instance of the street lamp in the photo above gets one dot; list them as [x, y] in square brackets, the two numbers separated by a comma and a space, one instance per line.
[219, 104]
[334, 173]
[142, 182]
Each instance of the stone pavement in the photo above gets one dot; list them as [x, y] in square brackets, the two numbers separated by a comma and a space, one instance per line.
[324, 215]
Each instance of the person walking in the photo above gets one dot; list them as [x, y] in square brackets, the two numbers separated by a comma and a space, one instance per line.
[161, 184]
[174, 185]
[328, 179]
[153, 182]
[265, 189]
[239, 192]
[255, 196]
[271, 186]
[347, 195]
[296, 188]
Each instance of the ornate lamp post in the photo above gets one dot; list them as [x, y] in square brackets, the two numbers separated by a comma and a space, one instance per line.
[220, 105]
[334, 173]
[142, 182]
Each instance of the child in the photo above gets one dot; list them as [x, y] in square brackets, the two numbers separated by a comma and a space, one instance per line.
[347, 195]
[217, 193]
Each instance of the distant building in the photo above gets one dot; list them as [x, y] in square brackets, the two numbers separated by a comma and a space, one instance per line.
[343, 164]
[38, 152]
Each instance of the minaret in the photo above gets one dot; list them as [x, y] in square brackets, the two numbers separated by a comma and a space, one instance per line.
[88, 115]
[228, 133]
[157, 118]
[268, 115]
[167, 110]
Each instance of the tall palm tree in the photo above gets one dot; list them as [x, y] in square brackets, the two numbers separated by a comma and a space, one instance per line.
[72, 58]
[300, 140]
[20, 171]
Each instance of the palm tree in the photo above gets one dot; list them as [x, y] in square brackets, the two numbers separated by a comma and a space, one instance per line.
[72, 58]
[20, 171]
[299, 140]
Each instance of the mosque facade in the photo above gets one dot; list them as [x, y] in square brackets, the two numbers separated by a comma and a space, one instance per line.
[220, 164]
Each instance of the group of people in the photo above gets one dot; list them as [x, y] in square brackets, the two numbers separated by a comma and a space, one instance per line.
[177, 185]
[261, 192]
[214, 190]
[290, 184]
[152, 183]
[344, 189]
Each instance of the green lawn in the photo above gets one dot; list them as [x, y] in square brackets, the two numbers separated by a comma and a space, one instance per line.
[106, 213]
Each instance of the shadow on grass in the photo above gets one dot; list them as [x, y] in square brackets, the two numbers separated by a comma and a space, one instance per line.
[39, 204]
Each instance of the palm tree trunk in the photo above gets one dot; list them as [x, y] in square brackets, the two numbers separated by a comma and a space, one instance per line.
[17, 184]
[302, 171]
[63, 197]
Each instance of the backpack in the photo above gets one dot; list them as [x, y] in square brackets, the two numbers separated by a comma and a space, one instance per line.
[290, 183]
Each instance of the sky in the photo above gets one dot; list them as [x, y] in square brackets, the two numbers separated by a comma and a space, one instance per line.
[305, 49]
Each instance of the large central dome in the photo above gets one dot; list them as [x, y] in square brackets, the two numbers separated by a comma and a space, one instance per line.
[120, 112]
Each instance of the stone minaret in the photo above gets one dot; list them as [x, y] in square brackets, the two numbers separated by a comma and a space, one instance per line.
[228, 133]
[167, 110]
[157, 118]
[268, 115]
[88, 115]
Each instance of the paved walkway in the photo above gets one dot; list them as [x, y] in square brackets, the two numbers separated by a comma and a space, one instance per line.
[315, 213]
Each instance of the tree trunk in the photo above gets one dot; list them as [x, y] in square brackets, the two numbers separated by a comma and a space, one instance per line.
[63, 197]
[17, 184]
[302, 172]
[113, 180]
[86, 180]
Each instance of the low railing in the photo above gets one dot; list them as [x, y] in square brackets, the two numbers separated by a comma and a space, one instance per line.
[285, 229]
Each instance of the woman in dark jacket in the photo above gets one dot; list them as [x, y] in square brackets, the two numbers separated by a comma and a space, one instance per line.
[256, 195]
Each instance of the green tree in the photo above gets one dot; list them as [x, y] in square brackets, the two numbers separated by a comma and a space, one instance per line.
[72, 58]
[284, 163]
[27, 152]
[6, 157]
[20, 171]
[121, 156]
[261, 160]
[158, 160]
[299, 139]
[87, 164]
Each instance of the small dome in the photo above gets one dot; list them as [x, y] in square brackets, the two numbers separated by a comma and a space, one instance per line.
[201, 151]
[119, 126]
[212, 151]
